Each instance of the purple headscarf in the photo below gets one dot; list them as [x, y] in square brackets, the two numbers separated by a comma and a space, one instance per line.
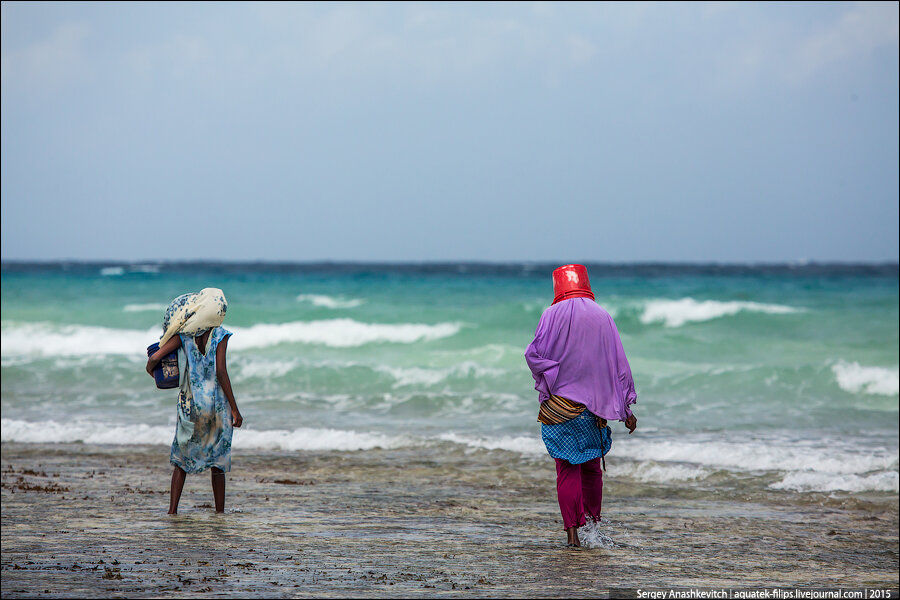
[577, 354]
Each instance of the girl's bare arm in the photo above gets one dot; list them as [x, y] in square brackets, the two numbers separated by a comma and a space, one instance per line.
[173, 344]
[225, 382]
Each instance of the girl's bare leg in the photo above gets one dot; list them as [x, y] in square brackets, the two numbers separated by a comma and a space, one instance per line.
[178, 476]
[218, 486]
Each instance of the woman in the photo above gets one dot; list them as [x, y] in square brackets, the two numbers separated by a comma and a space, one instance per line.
[583, 379]
[207, 410]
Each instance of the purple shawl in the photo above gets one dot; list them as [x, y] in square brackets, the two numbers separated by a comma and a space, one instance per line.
[577, 354]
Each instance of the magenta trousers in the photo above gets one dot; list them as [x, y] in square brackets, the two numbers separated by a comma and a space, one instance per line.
[580, 491]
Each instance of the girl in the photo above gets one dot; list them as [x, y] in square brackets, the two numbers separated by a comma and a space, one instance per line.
[207, 410]
[583, 378]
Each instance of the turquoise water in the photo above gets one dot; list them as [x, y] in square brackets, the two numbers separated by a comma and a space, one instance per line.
[788, 372]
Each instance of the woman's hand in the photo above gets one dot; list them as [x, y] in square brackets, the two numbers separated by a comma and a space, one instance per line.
[631, 423]
[151, 364]
[236, 419]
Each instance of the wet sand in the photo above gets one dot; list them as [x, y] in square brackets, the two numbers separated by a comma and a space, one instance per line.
[80, 520]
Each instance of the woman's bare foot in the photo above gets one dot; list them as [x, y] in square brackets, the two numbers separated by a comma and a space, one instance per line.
[573, 541]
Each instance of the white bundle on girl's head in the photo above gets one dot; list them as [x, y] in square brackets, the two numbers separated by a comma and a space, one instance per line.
[194, 313]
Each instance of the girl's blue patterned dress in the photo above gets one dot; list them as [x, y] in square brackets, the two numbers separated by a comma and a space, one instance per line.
[203, 433]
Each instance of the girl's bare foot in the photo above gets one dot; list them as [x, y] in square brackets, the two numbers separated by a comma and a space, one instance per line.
[573, 541]
[218, 485]
[178, 476]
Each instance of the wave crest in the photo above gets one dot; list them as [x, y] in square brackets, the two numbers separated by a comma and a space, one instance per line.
[303, 438]
[763, 455]
[322, 301]
[855, 378]
[119, 271]
[804, 466]
[527, 445]
[340, 333]
[47, 339]
[675, 313]
[419, 376]
[884, 481]
[144, 307]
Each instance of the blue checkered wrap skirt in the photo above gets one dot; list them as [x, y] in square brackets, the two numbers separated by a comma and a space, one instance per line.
[577, 440]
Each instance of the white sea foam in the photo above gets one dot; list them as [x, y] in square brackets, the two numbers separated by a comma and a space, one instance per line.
[662, 473]
[304, 438]
[527, 445]
[415, 376]
[804, 468]
[12, 430]
[855, 378]
[268, 369]
[807, 481]
[47, 339]
[489, 354]
[828, 456]
[675, 313]
[117, 271]
[418, 376]
[339, 333]
[144, 307]
[826, 465]
[323, 301]
[144, 269]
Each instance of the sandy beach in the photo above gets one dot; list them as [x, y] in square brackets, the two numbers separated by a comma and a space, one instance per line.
[82, 520]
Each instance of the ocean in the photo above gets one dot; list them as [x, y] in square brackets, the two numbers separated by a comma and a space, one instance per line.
[774, 380]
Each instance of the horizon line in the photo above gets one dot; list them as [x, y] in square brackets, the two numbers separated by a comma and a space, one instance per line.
[205, 261]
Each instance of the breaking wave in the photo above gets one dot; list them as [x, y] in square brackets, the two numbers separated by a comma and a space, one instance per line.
[339, 333]
[803, 468]
[764, 455]
[303, 438]
[119, 271]
[144, 307]
[527, 445]
[418, 376]
[675, 313]
[323, 301]
[805, 481]
[855, 378]
[833, 466]
[47, 339]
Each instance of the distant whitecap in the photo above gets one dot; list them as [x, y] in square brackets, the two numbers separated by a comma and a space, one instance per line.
[333, 302]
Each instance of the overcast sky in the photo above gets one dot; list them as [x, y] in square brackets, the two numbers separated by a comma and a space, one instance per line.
[406, 132]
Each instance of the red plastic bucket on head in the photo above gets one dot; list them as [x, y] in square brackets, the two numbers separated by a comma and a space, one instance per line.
[571, 281]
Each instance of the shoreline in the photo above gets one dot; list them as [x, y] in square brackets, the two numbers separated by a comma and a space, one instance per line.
[89, 520]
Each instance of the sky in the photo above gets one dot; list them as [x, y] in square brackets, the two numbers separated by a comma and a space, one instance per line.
[575, 132]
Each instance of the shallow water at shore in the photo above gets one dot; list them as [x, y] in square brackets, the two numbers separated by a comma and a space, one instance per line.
[90, 520]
